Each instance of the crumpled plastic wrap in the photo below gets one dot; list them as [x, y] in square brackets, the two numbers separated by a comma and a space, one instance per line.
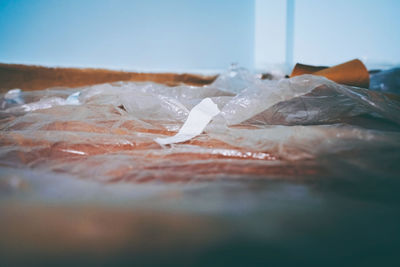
[387, 81]
[266, 129]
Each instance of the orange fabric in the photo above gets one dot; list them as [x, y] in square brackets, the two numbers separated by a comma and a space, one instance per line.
[352, 73]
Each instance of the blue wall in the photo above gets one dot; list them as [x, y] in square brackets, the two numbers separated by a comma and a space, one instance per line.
[196, 35]
[128, 34]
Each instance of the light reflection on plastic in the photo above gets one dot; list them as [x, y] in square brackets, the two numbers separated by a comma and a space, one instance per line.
[73, 151]
[239, 154]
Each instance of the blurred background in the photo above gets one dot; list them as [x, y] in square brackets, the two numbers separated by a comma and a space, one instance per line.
[198, 35]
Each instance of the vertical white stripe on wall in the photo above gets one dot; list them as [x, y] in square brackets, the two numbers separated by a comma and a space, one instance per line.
[270, 35]
[289, 34]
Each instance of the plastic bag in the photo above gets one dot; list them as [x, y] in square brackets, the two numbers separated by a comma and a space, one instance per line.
[266, 129]
[387, 81]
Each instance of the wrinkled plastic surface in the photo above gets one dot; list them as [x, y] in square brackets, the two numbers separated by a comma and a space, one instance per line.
[291, 128]
[386, 81]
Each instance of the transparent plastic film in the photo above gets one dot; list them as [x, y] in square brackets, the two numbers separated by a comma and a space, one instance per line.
[265, 129]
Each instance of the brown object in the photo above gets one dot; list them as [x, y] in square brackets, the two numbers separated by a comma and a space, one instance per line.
[353, 73]
[301, 69]
[28, 77]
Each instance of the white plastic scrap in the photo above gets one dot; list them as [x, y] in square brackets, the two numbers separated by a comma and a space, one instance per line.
[73, 99]
[46, 103]
[14, 96]
[198, 119]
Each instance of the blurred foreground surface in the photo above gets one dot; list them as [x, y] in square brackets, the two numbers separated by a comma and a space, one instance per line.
[296, 171]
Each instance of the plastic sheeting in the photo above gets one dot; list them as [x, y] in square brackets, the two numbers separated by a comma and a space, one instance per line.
[289, 128]
[386, 81]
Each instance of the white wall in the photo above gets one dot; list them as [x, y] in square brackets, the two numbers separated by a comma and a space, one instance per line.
[329, 32]
[270, 36]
